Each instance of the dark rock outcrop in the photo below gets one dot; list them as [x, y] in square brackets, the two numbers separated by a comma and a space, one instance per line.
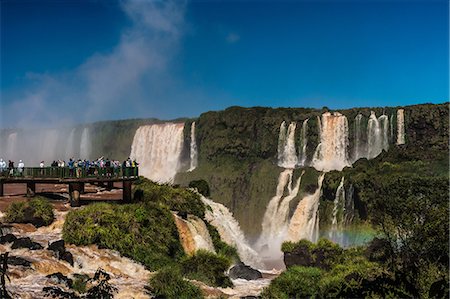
[26, 243]
[8, 238]
[61, 253]
[243, 271]
[56, 292]
[59, 278]
[18, 261]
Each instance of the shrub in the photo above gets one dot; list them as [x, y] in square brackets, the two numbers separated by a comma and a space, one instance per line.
[144, 232]
[37, 211]
[296, 282]
[220, 246]
[168, 283]
[207, 267]
[201, 186]
[175, 199]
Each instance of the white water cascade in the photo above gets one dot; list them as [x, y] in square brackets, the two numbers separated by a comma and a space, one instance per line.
[400, 126]
[304, 223]
[338, 213]
[391, 122]
[85, 144]
[304, 143]
[359, 150]
[331, 153]
[194, 234]
[157, 148]
[377, 135]
[287, 156]
[276, 218]
[11, 146]
[193, 152]
[230, 232]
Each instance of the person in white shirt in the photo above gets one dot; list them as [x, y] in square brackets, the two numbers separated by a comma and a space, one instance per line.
[20, 166]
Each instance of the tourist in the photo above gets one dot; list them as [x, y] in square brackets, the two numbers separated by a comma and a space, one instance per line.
[11, 167]
[2, 166]
[71, 165]
[20, 167]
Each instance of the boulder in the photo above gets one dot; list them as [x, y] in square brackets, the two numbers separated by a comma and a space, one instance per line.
[243, 271]
[26, 243]
[57, 246]
[59, 278]
[55, 292]
[8, 238]
[18, 261]
[66, 256]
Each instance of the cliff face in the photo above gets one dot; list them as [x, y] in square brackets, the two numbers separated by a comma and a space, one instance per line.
[238, 156]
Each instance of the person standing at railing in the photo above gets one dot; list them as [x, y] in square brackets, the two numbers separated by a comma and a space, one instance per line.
[20, 167]
[42, 165]
[11, 167]
[2, 166]
[71, 167]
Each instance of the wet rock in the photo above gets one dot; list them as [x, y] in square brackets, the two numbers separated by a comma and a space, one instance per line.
[183, 214]
[55, 292]
[18, 261]
[243, 271]
[59, 278]
[26, 243]
[66, 256]
[8, 238]
[57, 246]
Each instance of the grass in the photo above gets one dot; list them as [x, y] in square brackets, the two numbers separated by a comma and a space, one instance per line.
[169, 283]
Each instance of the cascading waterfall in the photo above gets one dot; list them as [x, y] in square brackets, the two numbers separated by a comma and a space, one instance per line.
[359, 148]
[304, 223]
[85, 144]
[287, 156]
[49, 145]
[349, 206]
[11, 146]
[304, 143]
[338, 213]
[193, 152]
[157, 148]
[391, 122]
[193, 234]
[230, 232]
[400, 126]
[373, 136]
[384, 126]
[276, 217]
[331, 153]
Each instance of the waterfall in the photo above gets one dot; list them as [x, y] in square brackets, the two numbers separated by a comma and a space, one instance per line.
[193, 234]
[230, 232]
[276, 217]
[331, 152]
[49, 146]
[384, 126]
[349, 206]
[194, 154]
[392, 128]
[400, 126]
[287, 156]
[304, 143]
[304, 223]
[373, 136]
[359, 149]
[377, 135]
[157, 148]
[70, 145]
[85, 144]
[338, 213]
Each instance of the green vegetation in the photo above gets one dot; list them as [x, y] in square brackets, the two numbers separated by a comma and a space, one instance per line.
[201, 186]
[296, 282]
[207, 267]
[220, 246]
[37, 211]
[144, 232]
[172, 198]
[169, 283]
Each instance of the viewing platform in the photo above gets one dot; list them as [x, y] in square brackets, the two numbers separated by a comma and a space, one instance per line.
[75, 178]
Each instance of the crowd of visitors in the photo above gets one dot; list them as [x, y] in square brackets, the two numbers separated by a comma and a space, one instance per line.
[75, 168]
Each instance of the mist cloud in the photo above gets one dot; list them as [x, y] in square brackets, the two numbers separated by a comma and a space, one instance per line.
[126, 78]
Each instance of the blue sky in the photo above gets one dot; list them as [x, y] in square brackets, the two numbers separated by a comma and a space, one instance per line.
[76, 61]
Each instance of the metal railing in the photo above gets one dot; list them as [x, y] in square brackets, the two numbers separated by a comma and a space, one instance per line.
[67, 172]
